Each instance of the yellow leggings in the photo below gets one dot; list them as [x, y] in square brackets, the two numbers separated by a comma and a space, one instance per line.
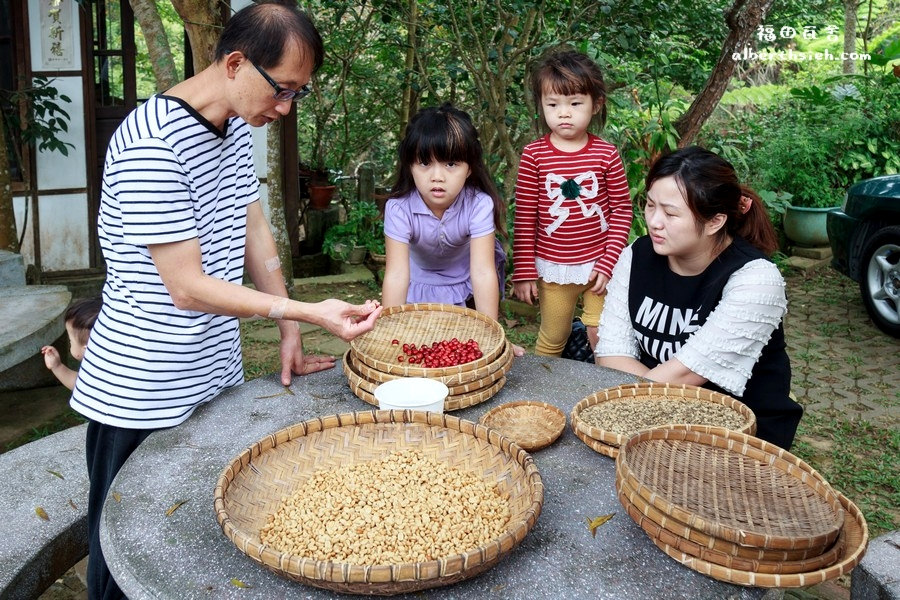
[558, 302]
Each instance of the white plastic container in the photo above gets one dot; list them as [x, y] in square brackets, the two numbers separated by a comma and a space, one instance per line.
[412, 393]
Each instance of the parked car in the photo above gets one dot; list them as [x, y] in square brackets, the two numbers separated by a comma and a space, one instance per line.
[865, 241]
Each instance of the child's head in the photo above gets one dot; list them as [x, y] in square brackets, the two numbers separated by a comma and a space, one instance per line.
[80, 317]
[568, 73]
[445, 134]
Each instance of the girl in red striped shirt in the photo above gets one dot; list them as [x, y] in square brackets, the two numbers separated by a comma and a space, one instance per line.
[573, 209]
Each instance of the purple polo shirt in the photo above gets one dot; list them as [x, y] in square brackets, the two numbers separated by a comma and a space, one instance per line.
[439, 248]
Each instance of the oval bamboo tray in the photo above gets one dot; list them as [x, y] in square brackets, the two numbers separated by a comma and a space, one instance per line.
[720, 552]
[855, 535]
[753, 494]
[532, 425]
[253, 484]
[460, 382]
[637, 392]
[425, 323]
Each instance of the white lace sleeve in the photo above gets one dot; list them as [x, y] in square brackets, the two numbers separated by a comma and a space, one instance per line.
[616, 333]
[728, 345]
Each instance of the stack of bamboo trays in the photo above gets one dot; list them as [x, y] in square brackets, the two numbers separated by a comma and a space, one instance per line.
[737, 508]
[373, 358]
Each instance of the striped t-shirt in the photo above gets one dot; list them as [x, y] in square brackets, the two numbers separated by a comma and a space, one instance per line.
[571, 207]
[170, 175]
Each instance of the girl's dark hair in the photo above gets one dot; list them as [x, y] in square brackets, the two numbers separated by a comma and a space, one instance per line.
[710, 186]
[568, 73]
[446, 133]
[83, 313]
[263, 31]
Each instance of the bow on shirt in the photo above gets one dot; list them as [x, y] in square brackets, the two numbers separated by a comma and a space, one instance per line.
[559, 188]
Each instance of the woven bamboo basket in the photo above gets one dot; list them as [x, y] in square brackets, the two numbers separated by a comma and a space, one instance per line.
[459, 383]
[254, 483]
[423, 324]
[854, 538]
[742, 490]
[532, 425]
[660, 527]
[639, 392]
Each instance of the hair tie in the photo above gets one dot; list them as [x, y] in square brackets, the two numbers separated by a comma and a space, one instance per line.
[744, 204]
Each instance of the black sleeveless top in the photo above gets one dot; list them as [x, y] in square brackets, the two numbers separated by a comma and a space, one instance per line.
[666, 308]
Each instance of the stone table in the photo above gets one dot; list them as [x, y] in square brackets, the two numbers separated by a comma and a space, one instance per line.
[186, 555]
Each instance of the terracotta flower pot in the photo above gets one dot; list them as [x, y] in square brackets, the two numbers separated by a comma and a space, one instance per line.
[320, 196]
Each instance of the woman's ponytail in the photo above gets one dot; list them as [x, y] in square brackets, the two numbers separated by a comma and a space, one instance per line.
[752, 222]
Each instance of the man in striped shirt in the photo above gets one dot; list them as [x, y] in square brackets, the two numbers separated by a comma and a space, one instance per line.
[180, 221]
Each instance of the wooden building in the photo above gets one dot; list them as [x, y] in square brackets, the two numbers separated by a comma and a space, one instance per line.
[88, 49]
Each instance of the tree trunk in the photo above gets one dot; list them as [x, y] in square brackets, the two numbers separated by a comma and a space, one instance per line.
[8, 239]
[406, 108]
[743, 18]
[276, 202]
[203, 22]
[850, 7]
[157, 43]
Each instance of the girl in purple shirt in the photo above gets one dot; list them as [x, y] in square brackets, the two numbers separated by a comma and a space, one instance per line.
[442, 217]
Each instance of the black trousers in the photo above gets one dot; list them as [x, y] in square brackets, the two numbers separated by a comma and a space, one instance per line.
[107, 449]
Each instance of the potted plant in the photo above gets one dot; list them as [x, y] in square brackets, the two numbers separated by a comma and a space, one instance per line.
[800, 163]
[362, 232]
[321, 189]
[318, 182]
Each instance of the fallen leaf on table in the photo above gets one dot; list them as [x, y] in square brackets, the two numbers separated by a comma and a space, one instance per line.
[238, 583]
[41, 513]
[55, 473]
[117, 496]
[547, 366]
[596, 522]
[285, 392]
[174, 507]
[72, 504]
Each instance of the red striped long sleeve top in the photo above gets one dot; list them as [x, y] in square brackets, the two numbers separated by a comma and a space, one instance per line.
[571, 207]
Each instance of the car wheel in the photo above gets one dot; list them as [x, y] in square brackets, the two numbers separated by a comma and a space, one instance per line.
[879, 281]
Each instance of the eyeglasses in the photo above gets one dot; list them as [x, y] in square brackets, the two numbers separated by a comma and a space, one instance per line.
[283, 94]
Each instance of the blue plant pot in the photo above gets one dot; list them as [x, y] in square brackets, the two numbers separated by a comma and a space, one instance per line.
[807, 226]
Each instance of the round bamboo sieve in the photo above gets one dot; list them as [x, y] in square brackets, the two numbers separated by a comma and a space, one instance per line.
[855, 535]
[595, 445]
[459, 383]
[357, 386]
[721, 552]
[637, 392]
[533, 425]
[253, 484]
[753, 494]
[426, 323]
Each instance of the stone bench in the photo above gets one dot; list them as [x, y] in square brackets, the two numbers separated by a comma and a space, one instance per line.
[48, 474]
[31, 316]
